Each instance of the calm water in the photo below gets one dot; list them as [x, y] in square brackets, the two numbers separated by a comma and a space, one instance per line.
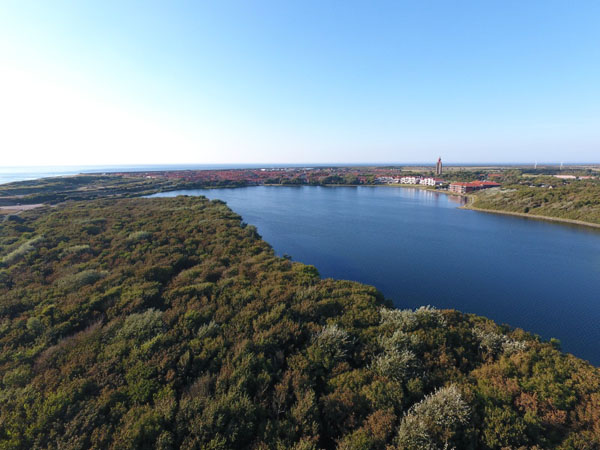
[418, 249]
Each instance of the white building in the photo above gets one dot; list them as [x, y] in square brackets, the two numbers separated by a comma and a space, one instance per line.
[430, 181]
[410, 180]
[387, 180]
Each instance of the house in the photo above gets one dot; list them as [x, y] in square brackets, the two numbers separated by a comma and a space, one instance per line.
[430, 181]
[410, 180]
[463, 188]
[387, 180]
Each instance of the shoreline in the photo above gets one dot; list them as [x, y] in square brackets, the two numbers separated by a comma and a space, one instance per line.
[582, 223]
[404, 186]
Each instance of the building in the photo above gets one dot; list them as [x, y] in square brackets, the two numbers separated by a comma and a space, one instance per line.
[463, 188]
[430, 181]
[438, 167]
[387, 180]
[410, 180]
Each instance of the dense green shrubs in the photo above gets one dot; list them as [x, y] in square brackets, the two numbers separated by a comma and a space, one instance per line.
[166, 323]
[577, 200]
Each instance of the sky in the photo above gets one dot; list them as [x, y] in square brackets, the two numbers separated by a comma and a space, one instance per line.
[252, 82]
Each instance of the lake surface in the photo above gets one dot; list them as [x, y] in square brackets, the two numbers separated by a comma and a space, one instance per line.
[419, 249]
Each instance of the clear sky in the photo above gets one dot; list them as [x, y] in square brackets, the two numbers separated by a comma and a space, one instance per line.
[157, 82]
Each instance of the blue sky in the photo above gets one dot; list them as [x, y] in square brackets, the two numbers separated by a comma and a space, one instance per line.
[117, 82]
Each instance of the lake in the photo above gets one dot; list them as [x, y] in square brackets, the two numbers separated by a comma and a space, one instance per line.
[418, 248]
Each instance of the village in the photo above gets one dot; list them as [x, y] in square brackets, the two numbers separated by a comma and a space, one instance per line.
[459, 180]
[455, 187]
[435, 182]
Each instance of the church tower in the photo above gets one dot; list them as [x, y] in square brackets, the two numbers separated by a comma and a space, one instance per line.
[438, 167]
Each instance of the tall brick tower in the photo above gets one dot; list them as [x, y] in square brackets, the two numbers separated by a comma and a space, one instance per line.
[438, 167]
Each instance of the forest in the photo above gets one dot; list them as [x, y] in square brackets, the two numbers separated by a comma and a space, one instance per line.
[169, 323]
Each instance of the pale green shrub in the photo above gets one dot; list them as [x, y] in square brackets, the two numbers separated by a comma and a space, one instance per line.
[431, 423]
[399, 340]
[137, 236]
[21, 251]
[141, 326]
[76, 250]
[210, 329]
[81, 279]
[495, 343]
[398, 365]
[409, 320]
[334, 341]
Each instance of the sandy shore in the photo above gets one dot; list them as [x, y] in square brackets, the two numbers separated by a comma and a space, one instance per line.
[18, 208]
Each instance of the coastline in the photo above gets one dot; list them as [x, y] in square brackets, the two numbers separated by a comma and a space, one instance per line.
[470, 206]
[11, 209]
[404, 186]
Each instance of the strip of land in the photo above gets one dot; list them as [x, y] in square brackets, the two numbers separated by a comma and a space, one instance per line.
[18, 208]
[565, 195]
[470, 206]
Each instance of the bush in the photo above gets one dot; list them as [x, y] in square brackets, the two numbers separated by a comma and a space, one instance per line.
[34, 325]
[81, 279]
[400, 340]
[334, 342]
[137, 236]
[141, 326]
[435, 421]
[494, 344]
[210, 329]
[76, 250]
[21, 251]
[17, 377]
[409, 320]
[397, 365]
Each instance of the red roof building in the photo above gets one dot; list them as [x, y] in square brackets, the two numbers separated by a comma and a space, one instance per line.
[464, 187]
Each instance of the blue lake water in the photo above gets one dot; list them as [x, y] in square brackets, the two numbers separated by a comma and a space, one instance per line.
[418, 249]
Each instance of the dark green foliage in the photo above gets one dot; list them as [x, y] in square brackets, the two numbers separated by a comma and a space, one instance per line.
[173, 325]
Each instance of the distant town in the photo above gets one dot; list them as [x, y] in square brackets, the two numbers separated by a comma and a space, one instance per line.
[458, 180]
[568, 193]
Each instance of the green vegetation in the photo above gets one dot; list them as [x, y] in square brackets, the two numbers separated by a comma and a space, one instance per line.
[546, 196]
[89, 187]
[168, 323]
[84, 187]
